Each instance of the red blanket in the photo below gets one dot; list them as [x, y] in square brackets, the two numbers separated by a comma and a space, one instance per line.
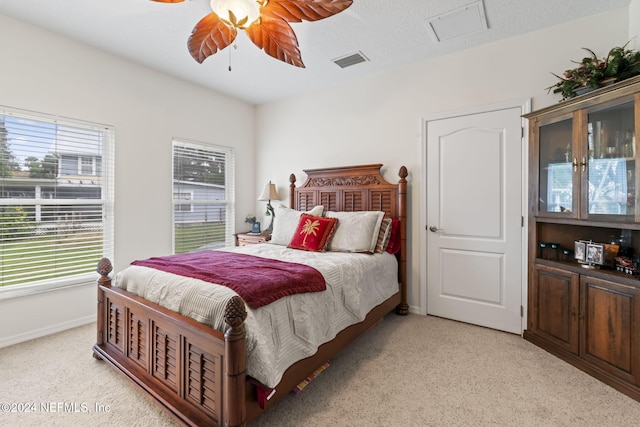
[259, 281]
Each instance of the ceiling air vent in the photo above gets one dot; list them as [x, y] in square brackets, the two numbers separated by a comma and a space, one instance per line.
[349, 60]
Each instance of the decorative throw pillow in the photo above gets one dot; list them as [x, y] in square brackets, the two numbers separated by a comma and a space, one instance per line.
[394, 241]
[313, 233]
[285, 222]
[383, 236]
[356, 231]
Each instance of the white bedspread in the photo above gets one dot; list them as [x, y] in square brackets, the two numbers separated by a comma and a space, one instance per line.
[291, 328]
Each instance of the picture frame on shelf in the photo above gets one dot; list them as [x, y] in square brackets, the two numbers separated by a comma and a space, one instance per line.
[595, 253]
[579, 251]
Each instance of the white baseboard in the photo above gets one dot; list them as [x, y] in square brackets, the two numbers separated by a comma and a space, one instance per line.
[52, 329]
[414, 309]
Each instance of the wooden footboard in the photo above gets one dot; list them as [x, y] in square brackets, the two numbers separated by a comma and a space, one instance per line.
[195, 372]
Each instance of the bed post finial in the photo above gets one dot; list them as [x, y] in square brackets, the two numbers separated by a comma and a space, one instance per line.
[235, 312]
[292, 187]
[104, 269]
[403, 173]
[234, 410]
[403, 307]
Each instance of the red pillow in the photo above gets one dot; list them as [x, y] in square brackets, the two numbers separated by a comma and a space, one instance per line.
[394, 241]
[313, 233]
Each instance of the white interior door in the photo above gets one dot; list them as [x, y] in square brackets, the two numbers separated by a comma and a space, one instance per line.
[474, 218]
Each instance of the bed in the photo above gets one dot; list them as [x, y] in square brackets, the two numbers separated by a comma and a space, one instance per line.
[200, 374]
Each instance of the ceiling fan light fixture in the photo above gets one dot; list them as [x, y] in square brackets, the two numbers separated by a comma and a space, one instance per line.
[266, 22]
[238, 13]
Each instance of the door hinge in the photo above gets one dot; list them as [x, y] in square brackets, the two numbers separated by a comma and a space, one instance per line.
[522, 221]
[521, 311]
[522, 132]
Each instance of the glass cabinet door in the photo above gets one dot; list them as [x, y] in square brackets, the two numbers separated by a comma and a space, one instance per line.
[611, 175]
[557, 165]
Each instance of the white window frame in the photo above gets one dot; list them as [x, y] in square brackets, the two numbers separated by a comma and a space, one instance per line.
[229, 202]
[106, 201]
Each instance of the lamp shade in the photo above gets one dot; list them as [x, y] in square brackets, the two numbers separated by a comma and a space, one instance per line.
[269, 192]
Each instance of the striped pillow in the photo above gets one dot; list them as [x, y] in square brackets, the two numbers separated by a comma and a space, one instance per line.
[383, 236]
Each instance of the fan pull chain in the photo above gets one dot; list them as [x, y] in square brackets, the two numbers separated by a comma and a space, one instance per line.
[235, 46]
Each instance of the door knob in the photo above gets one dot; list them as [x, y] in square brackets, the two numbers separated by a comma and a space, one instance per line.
[434, 229]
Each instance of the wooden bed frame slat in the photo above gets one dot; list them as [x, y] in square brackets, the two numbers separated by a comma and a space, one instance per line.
[198, 374]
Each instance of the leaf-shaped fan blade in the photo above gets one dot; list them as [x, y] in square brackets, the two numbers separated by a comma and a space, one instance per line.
[304, 10]
[209, 36]
[168, 1]
[277, 38]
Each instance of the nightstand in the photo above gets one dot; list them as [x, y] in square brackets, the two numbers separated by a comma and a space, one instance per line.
[244, 239]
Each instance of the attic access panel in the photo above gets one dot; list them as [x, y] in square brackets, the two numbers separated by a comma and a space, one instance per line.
[466, 20]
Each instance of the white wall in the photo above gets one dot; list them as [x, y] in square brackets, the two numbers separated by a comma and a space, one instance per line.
[47, 73]
[378, 119]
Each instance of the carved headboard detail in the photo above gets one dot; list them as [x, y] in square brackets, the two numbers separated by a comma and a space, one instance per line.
[351, 188]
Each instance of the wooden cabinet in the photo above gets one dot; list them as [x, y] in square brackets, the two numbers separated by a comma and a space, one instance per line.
[584, 185]
[587, 320]
[244, 239]
[609, 336]
[554, 308]
[586, 165]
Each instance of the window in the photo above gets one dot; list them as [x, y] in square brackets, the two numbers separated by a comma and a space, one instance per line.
[183, 207]
[86, 165]
[203, 196]
[56, 201]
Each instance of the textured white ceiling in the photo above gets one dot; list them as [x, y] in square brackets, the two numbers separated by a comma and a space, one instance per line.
[390, 33]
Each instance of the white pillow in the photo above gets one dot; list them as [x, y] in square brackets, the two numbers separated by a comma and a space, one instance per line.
[286, 221]
[356, 231]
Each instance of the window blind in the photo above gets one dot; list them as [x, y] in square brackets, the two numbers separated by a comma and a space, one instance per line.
[203, 196]
[56, 200]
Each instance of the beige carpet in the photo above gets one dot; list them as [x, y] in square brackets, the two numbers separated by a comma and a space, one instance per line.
[409, 371]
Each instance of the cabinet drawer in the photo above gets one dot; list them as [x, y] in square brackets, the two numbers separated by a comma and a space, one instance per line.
[251, 239]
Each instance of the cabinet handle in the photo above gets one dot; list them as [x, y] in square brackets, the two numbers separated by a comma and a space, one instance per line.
[584, 164]
[575, 164]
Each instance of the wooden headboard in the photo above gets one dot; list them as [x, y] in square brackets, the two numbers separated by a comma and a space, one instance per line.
[357, 188]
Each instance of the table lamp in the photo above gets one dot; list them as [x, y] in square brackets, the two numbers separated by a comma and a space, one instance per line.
[269, 193]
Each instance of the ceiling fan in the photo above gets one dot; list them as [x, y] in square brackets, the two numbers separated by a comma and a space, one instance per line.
[266, 22]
